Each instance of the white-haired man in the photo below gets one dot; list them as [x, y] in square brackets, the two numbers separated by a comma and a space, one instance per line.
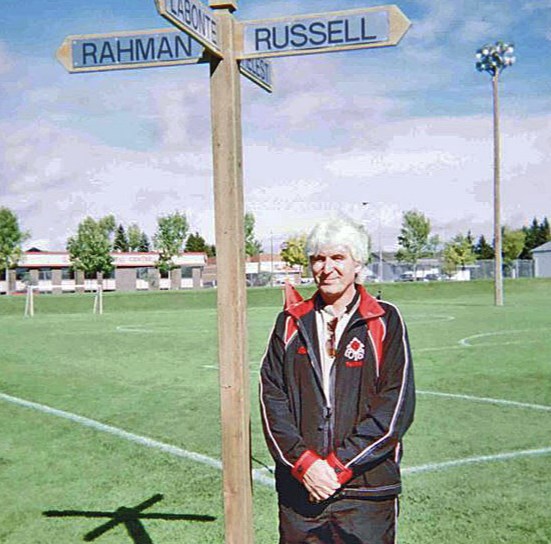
[337, 395]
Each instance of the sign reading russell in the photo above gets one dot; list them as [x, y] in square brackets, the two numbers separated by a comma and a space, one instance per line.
[324, 32]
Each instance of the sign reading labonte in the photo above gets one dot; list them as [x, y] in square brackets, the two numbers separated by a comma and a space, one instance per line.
[192, 17]
[324, 32]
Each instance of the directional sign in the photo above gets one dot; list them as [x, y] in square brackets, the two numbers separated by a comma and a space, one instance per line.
[194, 18]
[324, 32]
[259, 71]
[125, 50]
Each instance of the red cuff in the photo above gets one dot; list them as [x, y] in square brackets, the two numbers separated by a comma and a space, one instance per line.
[343, 473]
[304, 462]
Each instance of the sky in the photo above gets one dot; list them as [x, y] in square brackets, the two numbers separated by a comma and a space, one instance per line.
[401, 128]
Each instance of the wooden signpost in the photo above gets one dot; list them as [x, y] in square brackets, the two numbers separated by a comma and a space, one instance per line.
[232, 48]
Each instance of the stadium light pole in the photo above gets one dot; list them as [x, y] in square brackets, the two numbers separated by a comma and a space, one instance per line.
[494, 58]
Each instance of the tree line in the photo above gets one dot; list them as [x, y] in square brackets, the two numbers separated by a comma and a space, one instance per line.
[90, 248]
[416, 242]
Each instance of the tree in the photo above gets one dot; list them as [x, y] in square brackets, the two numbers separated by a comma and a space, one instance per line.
[252, 246]
[169, 238]
[195, 243]
[414, 239]
[121, 240]
[90, 249]
[134, 235]
[293, 251]
[11, 238]
[512, 244]
[535, 235]
[107, 224]
[144, 246]
[483, 250]
[545, 232]
[458, 253]
[470, 240]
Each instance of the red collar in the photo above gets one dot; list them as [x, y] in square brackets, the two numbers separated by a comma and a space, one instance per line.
[296, 307]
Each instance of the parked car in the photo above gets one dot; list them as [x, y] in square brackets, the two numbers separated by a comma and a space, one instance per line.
[406, 276]
[433, 277]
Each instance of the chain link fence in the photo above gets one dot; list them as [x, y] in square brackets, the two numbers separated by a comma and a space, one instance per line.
[484, 269]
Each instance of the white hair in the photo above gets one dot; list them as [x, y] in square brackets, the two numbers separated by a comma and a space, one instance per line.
[339, 232]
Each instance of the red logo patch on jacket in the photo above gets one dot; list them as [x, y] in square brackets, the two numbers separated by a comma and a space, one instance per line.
[302, 350]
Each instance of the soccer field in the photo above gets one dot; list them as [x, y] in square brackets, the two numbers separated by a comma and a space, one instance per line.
[103, 412]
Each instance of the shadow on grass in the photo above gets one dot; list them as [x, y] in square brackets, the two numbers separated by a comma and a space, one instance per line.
[129, 517]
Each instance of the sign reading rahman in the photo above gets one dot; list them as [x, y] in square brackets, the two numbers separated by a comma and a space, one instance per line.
[336, 31]
[194, 18]
[125, 50]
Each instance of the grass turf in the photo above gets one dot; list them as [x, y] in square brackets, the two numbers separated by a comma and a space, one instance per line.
[148, 366]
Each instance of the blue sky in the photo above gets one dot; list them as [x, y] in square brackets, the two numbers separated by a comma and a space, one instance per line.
[401, 127]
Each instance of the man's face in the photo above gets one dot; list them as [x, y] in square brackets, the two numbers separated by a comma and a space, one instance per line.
[334, 271]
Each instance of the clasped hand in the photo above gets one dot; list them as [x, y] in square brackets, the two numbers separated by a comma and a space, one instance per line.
[321, 481]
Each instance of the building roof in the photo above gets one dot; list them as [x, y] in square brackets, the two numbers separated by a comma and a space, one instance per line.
[543, 248]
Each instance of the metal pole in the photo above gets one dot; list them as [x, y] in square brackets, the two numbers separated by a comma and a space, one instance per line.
[231, 293]
[498, 273]
[381, 273]
[271, 259]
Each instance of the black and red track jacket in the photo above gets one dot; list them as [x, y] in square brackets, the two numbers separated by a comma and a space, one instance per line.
[372, 400]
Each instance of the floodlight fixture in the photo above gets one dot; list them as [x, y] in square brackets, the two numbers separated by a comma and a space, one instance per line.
[494, 58]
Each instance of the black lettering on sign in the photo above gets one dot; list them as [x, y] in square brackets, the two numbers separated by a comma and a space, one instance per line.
[107, 53]
[262, 35]
[347, 37]
[366, 37]
[194, 17]
[89, 50]
[176, 9]
[185, 45]
[298, 31]
[333, 31]
[145, 54]
[123, 50]
[284, 39]
[164, 49]
[187, 11]
[315, 32]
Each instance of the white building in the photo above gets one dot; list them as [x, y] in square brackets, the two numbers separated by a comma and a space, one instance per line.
[51, 272]
[542, 260]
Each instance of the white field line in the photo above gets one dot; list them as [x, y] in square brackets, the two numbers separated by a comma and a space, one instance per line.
[136, 438]
[258, 474]
[430, 319]
[502, 402]
[466, 342]
[430, 467]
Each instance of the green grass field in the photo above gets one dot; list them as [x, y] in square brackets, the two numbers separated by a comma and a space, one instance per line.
[148, 367]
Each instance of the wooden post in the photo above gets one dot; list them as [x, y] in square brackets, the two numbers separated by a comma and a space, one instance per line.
[232, 301]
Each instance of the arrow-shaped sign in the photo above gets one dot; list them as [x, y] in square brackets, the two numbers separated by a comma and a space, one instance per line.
[259, 71]
[195, 19]
[125, 50]
[379, 26]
